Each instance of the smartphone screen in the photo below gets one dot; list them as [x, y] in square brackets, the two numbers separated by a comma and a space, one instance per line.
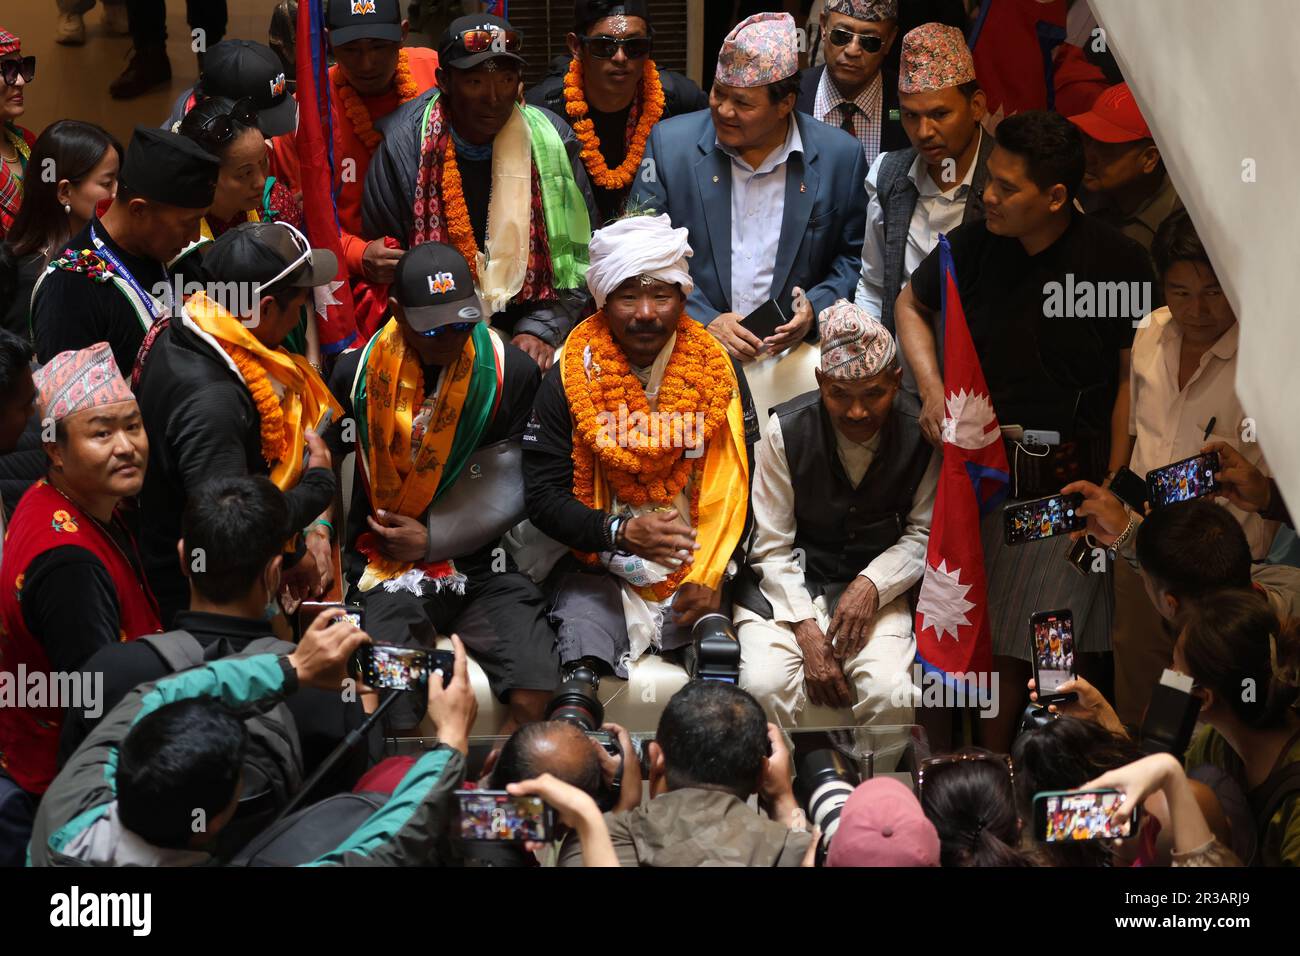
[496, 815]
[391, 667]
[1183, 480]
[1080, 815]
[1052, 633]
[1034, 520]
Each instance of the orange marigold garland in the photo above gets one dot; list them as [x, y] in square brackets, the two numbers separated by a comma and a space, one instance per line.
[456, 212]
[651, 97]
[274, 442]
[653, 469]
[356, 111]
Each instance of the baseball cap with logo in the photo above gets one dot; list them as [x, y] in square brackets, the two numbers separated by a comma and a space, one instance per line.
[270, 254]
[436, 289]
[471, 40]
[242, 69]
[364, 20]
[1114, 117]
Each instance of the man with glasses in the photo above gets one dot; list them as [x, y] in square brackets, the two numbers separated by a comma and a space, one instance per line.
[613, 93]
[440, 400]
[112, 281]
[373, 74]
[853, 90]
[501, 182]
[221, 397]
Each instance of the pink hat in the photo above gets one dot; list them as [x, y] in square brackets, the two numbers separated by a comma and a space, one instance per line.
[882, 824]
[935, 57]
[867, 10]
[761, 49]
[72, 382]
[854, 344]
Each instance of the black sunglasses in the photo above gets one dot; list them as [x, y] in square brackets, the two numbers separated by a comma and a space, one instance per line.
[606, 47]
[869, 41]
[220, 129]
[449, 327]
[15, 67]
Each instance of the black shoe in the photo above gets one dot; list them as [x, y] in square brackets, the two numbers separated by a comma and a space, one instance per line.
[148, 68]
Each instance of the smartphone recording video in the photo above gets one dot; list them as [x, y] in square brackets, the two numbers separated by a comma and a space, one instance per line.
[1043, 518]
[392, 667]
[1066, 817]
[497, 816]
[1052, 633]
[1183, 480]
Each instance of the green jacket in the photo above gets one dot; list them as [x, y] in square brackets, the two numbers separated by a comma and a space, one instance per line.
[77, 824]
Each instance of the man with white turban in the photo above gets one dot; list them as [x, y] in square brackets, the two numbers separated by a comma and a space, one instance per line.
[637, 457]
[844, 487]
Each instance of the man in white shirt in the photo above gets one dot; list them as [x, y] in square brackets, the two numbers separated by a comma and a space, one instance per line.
[842, 496]
[914, 195]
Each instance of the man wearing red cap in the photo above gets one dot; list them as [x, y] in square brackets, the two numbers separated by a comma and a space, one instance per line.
[72, 580]
[1124, 181]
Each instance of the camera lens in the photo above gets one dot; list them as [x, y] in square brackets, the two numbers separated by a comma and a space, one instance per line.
[577, 702]
[827, 779]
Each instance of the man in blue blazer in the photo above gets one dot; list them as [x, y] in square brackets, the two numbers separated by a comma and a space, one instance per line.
[774, 200]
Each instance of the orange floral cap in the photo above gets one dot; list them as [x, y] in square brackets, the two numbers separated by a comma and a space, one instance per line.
[72, 382]
[761, 49]
[935, 57]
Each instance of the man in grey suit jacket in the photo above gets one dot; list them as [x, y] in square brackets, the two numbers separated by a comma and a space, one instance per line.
[772, 199]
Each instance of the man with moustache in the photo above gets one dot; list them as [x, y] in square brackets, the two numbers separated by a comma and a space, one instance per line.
[72, 578]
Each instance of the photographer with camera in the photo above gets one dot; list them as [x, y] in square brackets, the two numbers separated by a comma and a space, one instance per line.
[713, 750]
[160, 777]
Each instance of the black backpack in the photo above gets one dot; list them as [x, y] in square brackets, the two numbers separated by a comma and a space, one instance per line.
[273, 770]
[307, 834]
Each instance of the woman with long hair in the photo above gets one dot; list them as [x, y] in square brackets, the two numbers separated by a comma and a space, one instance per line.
[1246, 665]
[970, 798]
[84, 160]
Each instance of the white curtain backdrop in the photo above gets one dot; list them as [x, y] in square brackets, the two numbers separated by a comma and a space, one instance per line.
[1217, 83]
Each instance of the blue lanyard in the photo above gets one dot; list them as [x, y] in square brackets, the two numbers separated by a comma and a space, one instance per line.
[124, 273]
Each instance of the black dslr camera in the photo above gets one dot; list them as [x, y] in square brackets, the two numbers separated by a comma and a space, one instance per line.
[577, 702]
[715, 652]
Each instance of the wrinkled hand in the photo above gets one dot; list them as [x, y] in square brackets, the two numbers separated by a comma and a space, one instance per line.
[541, 353]
[454, 707]
[793, 332]
[1106, 514]
[1241, 483]
[933, 412]
[321, 657]
[692, 602]
[851, 624]
[400, 538]
[629, 792]
[322, 554]
[735, 338]
[1091, 705]
[823, 677]
[660, 536]
[379, 262]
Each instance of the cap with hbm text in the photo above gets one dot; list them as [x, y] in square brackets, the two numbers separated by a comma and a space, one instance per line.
[435, 287]
[239, 69]
[364, 20]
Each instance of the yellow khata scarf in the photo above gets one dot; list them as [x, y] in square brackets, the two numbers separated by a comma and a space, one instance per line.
[387, 396]
[286, 411]
[698, 378]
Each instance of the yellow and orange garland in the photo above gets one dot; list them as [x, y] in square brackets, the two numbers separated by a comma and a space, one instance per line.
[356, 111]
[652, 108]
[698, 377]
[274, 442]
[460, 231]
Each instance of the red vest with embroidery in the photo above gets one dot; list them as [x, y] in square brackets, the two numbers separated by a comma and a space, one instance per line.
[43, 520]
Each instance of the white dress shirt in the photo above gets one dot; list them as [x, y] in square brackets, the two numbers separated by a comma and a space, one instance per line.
[757, 210]
[937, 212]
[866, 118]
[781, 578]
[1169, 423]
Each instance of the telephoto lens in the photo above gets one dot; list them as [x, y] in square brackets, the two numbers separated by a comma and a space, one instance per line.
[715, 650]
[576, 700]
[825, 781]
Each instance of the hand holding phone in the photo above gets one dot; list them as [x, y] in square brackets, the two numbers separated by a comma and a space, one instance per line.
[501, 817]
[1184, 480]
[1051, 641]
[1043, 518]
[394, 667]
[1068, 816]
